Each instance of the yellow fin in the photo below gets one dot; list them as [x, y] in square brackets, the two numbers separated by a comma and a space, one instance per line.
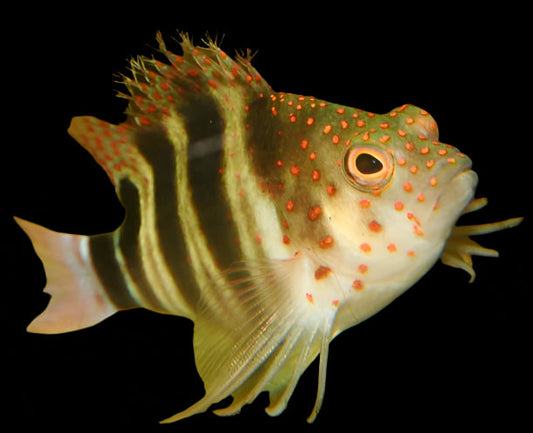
[460, 248]
[265, 345]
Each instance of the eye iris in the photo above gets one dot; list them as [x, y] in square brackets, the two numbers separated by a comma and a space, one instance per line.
[368, 164]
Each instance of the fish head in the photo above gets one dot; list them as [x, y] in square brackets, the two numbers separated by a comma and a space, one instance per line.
[370, 199]
[402, 195]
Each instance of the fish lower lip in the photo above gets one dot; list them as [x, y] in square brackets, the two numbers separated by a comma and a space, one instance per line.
[459, 190]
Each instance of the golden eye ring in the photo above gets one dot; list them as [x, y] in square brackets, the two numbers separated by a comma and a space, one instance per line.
[368, 168]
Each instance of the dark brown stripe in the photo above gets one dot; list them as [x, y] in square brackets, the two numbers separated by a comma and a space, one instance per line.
[205, 128]
[102, 250]
[159, 153]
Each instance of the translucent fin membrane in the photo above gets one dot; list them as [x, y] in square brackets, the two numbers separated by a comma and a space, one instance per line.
[460, 248]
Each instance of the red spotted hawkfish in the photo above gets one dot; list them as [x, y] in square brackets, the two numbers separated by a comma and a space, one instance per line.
[273, 221]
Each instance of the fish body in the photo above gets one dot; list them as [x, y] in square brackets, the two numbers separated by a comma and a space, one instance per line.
[273, 221]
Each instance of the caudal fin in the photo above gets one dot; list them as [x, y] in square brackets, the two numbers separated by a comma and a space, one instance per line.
[78, 298]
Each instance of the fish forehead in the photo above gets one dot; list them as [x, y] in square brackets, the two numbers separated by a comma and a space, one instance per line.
[298, 141]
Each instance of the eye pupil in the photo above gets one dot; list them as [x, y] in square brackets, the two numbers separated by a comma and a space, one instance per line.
[368, 164]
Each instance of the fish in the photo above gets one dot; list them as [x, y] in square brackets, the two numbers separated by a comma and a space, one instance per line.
[273, 221]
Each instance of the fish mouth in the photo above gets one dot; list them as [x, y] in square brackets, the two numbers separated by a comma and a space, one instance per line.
[457, 193]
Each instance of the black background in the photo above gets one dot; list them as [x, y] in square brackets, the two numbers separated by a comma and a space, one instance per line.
[446, 354]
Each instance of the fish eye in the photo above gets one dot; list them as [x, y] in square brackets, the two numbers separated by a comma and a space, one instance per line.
[369, 169]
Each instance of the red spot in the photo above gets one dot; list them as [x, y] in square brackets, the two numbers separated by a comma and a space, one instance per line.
[364, 203]
[392, 248]
[310, 121]
[330, 189]
[295, 170]
[340, 110]
[304, 143]
[309, 297]
[418, 231]
[411, 253]
[326, 242]
[335, 302]
[235, 70]
[322, 272]
[258, 239]
[249, 78]
[193, 72]
[164, 86]
[407, 186]
[212, 83]
[327, 129]
[279, 162]
[274, 111]
[312, 156]
[358, 285]
[398, 205]
[292, 118]
[144, 120]
[344, 124]
[286, 240]
[314, 213]
[375, 227]
[365, 247]
[315, 175]
[363, 269]
[335, 139]
[290, 205]
[402, 133]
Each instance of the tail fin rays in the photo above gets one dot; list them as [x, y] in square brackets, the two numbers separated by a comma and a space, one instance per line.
[78, 298]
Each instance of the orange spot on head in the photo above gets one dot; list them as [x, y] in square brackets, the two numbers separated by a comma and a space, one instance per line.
[392, 248]
[358, 285]
[409, 146]
[375, 227]
[314, 213]
[398, 205]
[326, 242]
[365, 247]
[322, 272]
[363, 269]
[365, 203]
[290, 205]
